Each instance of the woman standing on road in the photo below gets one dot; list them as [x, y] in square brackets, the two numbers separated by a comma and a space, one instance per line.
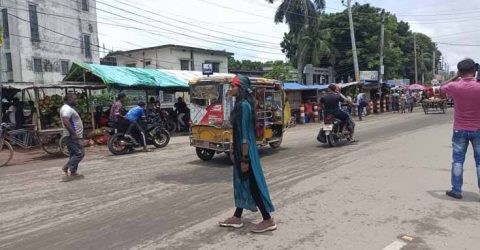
[250, 188]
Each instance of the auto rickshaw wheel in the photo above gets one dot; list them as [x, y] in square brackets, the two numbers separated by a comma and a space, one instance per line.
[205, 154]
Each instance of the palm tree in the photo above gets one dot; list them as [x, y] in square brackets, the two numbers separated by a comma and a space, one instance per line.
[303, 18]
[313, 46]
[297, 13]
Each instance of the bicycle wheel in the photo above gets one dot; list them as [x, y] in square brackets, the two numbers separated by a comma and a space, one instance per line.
[6, 153]
[51, 144]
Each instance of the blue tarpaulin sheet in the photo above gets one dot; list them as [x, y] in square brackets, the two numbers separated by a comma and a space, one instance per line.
[297, 86]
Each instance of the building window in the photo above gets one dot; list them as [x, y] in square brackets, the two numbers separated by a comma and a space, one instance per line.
[34, 33]
[6, 32]
[65, 66]
[87, 51]
[148, 63]
[184, 65]
[8, 57]
[85, 5]
[37, 65]
[131, 65]
[216, 67]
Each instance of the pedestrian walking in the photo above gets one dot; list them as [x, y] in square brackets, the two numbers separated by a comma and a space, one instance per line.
[465, 90]
[410, 101]
[361, 103]
[73, 130]
[396, 102]
[250, 187]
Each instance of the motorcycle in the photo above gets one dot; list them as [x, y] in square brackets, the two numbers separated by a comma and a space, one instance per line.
[162, 117]
[154, 134]
[334, 130]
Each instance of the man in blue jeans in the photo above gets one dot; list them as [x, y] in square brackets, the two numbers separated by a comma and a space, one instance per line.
[465, 90]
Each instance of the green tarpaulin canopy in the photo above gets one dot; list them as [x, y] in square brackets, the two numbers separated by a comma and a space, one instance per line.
[125, 77]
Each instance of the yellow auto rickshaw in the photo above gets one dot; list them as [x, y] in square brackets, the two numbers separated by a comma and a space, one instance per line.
[212, 103]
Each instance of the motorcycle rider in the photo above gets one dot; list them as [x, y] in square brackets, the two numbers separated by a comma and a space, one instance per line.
[182, 110]
[133, 116]
[331, 103]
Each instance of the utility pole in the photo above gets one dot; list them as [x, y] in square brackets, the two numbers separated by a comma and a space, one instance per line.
[354, 46]
[415, 52]
[382, 44]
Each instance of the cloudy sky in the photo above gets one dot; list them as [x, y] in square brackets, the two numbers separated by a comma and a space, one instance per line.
[245, 27]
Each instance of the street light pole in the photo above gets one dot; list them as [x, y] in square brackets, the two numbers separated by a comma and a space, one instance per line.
[354, 46]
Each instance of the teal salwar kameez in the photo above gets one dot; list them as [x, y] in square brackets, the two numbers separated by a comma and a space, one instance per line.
[250, 188]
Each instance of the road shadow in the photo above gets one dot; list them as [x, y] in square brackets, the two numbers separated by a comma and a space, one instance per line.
[218, 161]
[267, 151]
[47, 157]
[467, 196]
[340, 144]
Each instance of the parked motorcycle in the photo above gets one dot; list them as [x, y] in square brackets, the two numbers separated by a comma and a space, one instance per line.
[334, 131]
[155, 134]
[162, 117]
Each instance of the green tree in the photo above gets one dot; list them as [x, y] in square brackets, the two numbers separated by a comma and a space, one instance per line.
[305, 43]
[297, 13]
[280, 71]
[244, 65]
[333, 31]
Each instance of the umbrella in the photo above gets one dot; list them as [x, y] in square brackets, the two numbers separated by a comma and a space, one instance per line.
[415, 86]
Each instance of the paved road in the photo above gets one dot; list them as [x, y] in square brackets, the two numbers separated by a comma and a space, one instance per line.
[361, 196]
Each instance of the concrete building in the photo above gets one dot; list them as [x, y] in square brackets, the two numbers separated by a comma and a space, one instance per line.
[43, 38]
[173, 57]
[315, 75]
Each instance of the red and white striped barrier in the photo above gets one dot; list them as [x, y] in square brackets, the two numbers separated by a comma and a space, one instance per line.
[315, 113]
[302, 114]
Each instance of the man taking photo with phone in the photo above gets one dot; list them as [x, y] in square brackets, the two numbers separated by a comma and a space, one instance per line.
[465, 90]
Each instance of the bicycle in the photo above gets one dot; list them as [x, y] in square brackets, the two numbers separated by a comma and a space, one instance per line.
[6, 149]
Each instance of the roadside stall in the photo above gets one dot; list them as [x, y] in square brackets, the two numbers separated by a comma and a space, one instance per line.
[47, 101]
[38, 123]
[212, 104]
[299, 95]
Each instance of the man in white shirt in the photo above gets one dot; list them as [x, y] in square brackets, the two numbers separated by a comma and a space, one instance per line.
[73, 130]
[12, 111]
